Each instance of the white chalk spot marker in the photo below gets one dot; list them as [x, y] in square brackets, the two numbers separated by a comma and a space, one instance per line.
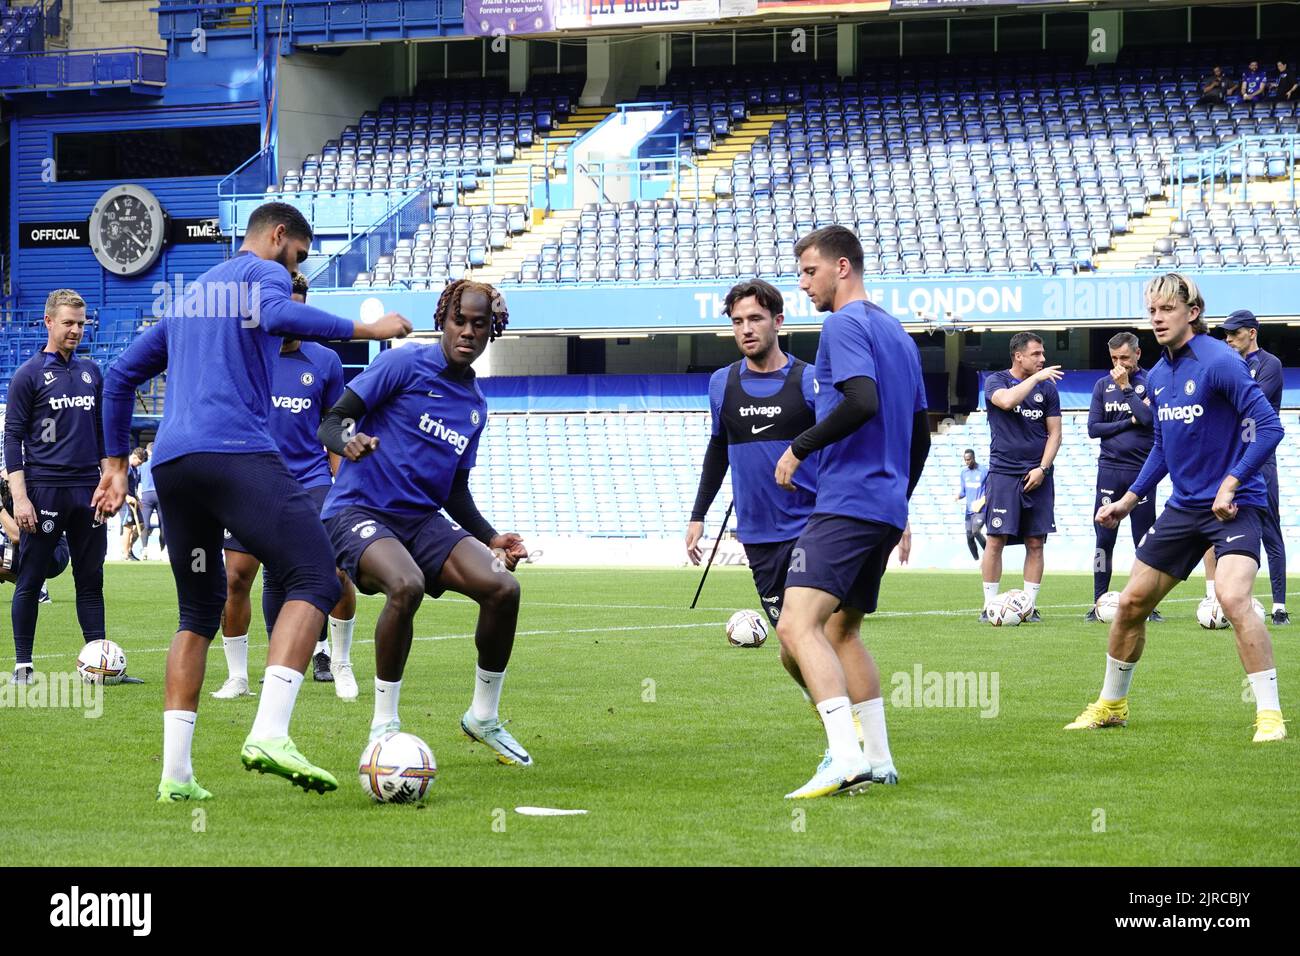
[548, 812]
[372, 310]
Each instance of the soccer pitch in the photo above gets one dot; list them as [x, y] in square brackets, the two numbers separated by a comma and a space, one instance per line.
[679, 746]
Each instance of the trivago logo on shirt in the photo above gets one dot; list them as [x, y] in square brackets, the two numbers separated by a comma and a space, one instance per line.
[59, 402]
[767, 411]
[1118, 407]
[1181, 413]
[292, 403]
[1033, 414]
[435, 427]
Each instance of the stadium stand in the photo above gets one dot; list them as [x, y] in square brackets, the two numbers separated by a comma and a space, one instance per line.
[22, 30]
[591, 474]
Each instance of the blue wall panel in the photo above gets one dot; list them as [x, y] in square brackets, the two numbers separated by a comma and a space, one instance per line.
[36, 271]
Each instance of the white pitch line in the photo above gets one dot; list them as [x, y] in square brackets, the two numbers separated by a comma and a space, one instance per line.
[964, 612]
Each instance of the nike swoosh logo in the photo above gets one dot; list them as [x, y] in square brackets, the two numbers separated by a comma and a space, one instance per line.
[434, 395]
[1232, 538]
[285, 679]
[837, 709]
[1159, 390]
[485, 680]
[755, 429]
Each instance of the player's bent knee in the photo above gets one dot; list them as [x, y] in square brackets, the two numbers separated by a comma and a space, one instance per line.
[503, 592]
[405, 593]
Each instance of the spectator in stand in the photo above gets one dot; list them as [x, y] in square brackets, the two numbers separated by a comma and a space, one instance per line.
[1284, 86]
[1253, 83]
[1214, 87]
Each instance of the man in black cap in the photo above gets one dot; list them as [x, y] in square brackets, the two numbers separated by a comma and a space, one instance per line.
[1242, 333]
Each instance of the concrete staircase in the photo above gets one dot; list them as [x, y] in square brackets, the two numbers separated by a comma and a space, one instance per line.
[720, 158]
[1140, 240]
[506, 262]
[510, 184]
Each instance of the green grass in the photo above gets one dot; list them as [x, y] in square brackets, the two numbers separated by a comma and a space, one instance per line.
[696, 774]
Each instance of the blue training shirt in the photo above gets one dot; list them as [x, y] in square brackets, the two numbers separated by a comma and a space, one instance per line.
[865, 474]
[146, 476]
[1125, 444]
[1266, 369]
[971, 486]
[219, 345]
[428, 422]
[1212, 420]
[1019, 436]
[308, 382]
[53, 431]
[765, 512]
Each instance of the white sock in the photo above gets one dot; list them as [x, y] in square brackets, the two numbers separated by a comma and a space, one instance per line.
[1279, 607]
[341, 638]
[1264, 684]
[487, 694]
[841, 738]
[322, 647]
[275, 707]
[990, 591]
[236, 649]
[872, 715]
[1119, 674]
[178, 733]
[387, 694]
[1209, 587]
[1032, 589]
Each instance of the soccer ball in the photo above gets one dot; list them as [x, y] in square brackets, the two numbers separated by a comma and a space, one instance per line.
[1107, 605]
[1021, 602]
[746, 629]
[397, 768]
[1210, 615]
[101, 662]
[1003, 612]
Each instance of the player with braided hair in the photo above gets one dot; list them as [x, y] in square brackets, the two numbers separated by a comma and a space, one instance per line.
[384, 513]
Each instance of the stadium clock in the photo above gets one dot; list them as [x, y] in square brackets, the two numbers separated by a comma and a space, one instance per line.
[127, 230]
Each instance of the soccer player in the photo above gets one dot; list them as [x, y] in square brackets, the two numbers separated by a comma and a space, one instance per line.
[54, 448]
[308, 380]
[1120, 415]
[149, 505]
[873, 436]
[384, 511]
[972, 486]
[1025, 425]
[216, 466]
[1214, 432]
[1242, 333]
[131, 516]
[759, 405]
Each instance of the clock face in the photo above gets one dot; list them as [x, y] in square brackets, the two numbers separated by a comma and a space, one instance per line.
[126, 230]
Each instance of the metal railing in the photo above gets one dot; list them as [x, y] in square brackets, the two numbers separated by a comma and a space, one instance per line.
[651, 178]
[359, 255]
[1235, 165]
[83, 69]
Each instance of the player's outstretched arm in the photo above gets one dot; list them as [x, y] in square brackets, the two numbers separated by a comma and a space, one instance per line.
[861, 404]
[1008, 398]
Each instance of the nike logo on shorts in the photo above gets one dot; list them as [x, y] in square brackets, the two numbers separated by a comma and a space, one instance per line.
[1234, 537]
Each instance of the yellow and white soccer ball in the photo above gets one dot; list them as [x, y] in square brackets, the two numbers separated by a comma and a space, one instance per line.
[101, 662]
[1003, 612]
[397, 768]
[1107, 606]
[1209, 614]
[746, 629]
